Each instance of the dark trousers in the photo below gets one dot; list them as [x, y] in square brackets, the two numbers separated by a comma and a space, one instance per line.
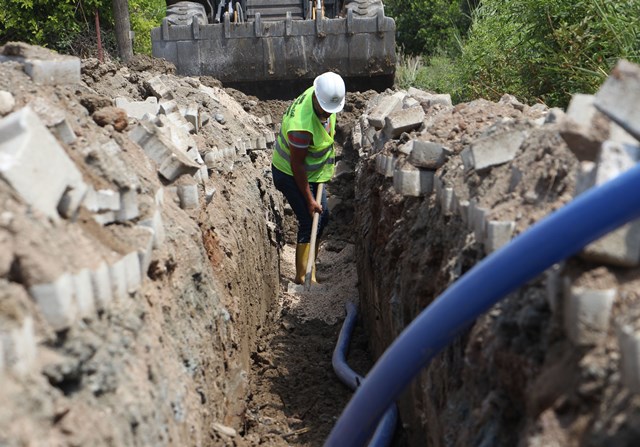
[286, 184]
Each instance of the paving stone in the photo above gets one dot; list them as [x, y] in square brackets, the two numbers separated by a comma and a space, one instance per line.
[629, 343]
[188, 195]
[138, 109]
[430, 99]
[619, 96]
[33, 162]
[167, 107]
[478, 221]
[411, 181]
[586, 313]
[105, 218]
[191, 114]
[499, 233]
[55, 302]
[156, 225]
[145, 252]
[386, 105]
[403, 120]
[467, 158]
[129, 209]
[101, 284]
[427, 155]
[496, 149]
[446, 201]
[64, 132]
[58, 71]
[554, 287]
[72, 199]
[83, 292]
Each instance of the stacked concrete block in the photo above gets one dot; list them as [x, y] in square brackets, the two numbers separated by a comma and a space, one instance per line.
[7, 102]
[629, 343]
[430, 99]
[192, 115]
[188, 195]
[101, 200]
[129, 209]
[425, 154]
[158, 88]
[477, 220]
[35, 165]
[384, 108]
[619, 96]
[138, 109]
[411, 181]
[495, 149]
[57, 71]
[172, 161]
[403, 120]
[167, 107]
[83, 293]
[621, 247]
[499, 233]
[586, 313]
[56, 301]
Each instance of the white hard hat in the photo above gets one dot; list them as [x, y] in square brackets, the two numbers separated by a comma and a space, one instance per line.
[330, 91]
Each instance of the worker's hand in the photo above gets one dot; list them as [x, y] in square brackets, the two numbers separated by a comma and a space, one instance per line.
[314, 207]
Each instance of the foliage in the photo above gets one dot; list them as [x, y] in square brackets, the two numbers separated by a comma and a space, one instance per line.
[67, 25]
[545, 50]
[430, 27]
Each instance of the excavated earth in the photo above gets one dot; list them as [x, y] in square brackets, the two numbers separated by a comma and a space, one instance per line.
[213, 348]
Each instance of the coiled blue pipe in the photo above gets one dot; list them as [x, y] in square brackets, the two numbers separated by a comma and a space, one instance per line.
[387, 426]
[558, 236]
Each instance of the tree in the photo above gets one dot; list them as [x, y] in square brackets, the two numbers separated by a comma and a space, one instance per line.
[123, 29]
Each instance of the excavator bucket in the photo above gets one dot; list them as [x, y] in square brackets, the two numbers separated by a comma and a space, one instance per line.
[250, 53]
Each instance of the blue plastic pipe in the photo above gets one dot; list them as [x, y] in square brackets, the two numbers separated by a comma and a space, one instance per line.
[558, 236]
[387, 426]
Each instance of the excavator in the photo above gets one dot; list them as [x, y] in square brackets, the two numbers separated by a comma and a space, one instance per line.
[262, 46]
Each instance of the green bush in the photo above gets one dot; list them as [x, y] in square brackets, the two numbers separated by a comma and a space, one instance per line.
[145, 15]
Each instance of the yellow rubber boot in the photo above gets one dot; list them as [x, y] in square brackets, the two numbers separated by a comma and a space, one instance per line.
[302, 255]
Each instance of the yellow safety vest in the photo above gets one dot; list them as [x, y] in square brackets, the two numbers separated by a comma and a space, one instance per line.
[320, 160]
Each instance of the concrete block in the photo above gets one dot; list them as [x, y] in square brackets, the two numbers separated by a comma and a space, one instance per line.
[411, 181]
[619, 96]
[554, 287]
[58, 71]
[138, 109]
[585, 177]
[101, 285]
[56, 301]
[587, 313]
[387, 105]
[446, 201]
[427, 155]
[178, 130]
[212, 158]
[133, 273]
[118, 278]
[64, 132]
[209, 191]
[620, 247]
[467, 158]
[429, 99]
[146, 251]
[83, 292]
[33, 162]
[463, 209]
[72, 199]
[156, 225]
[107, 200]
[241, 147]
[270, 137]
[499, 233]
[260, 144]
[173, 161]
[188, 195]
[496, 149]
[167, 107]
[18, 347]
[192, 115]
[7, 102]
[410, 102]
[158, 88]
[105, 218]
[478, 221]
[128, 205]
[629, 343]
[403, 120]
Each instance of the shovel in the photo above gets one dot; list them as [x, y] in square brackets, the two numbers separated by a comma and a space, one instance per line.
[312, 245]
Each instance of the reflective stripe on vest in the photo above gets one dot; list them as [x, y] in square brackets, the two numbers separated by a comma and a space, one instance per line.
[307, 167]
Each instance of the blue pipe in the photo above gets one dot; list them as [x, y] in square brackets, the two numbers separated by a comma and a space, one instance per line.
[387, 426]
[556, 237]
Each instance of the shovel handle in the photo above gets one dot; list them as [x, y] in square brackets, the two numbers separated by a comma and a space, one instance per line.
[312, 244]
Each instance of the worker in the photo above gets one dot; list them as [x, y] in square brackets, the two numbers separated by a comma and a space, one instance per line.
[304, 158]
